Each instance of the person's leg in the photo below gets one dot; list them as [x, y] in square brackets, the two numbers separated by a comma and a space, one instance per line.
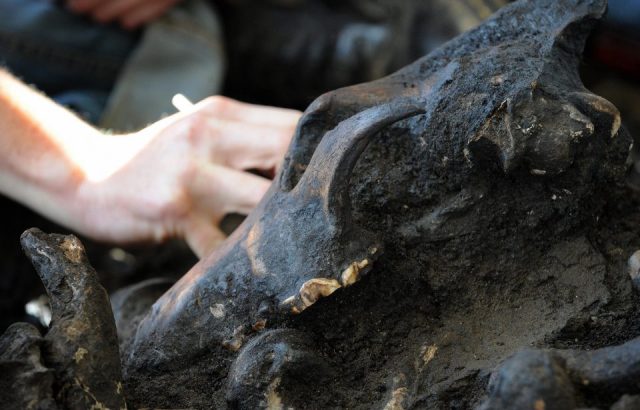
[70, 58]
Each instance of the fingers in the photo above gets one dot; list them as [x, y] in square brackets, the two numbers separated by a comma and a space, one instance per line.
[130, 13]
[146, 13]
[216, 191]
[244, 146]
[202, 236]
[184, 173]
[232, 110]
[242, 136]
[220, 190]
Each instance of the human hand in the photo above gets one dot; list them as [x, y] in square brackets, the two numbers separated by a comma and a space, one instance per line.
[129, 13]
[181, 175]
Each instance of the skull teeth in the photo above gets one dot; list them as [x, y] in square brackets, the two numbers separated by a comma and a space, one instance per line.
[314, 289]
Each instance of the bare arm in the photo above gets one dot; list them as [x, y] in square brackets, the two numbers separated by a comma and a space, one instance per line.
[177, 177]
[41, 150]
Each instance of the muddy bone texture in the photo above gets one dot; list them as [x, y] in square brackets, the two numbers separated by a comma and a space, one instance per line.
[437, 238]
[559, 379]
[482, 158]
[76, 364]
[299, 246]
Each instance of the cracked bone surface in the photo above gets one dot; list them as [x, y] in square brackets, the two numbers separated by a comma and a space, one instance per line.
[424, 228]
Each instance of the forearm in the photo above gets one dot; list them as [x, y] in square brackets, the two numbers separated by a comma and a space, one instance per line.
[46, 152]
[177, 177]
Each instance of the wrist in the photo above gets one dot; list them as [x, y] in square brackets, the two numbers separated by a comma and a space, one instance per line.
[98, 204]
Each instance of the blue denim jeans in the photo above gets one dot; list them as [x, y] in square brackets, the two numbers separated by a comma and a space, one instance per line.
[70, 58]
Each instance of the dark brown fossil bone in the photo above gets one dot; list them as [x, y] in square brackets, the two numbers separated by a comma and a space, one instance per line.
[298, 246]
[26, 382]
[552, 379]
[274, 360]
[81, 346]
[484, 169]
[506, 135]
